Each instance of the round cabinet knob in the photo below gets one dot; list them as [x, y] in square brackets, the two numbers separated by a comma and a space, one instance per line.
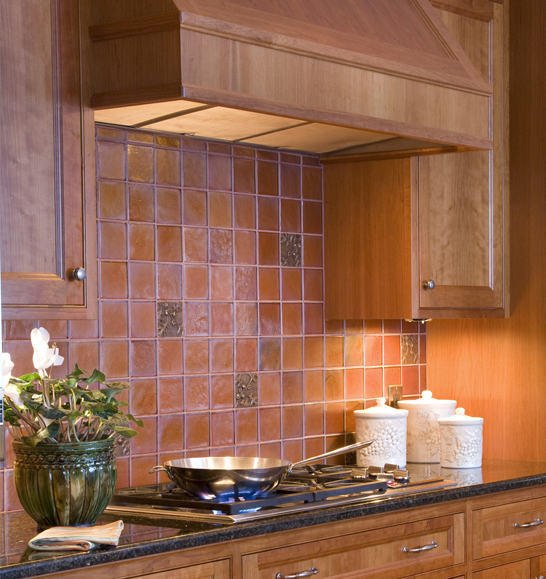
[429, 284]
[78, 274]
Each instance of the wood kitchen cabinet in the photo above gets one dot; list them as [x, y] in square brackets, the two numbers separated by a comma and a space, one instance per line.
[476, 539]
[414, 546]
[397, 227]
[47, 184]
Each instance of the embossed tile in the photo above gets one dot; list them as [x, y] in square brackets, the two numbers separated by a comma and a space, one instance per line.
[169, 319]
[290, 249]
[246, 390]
[409, 349]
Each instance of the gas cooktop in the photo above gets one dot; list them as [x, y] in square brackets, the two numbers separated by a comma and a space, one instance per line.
[307, 488]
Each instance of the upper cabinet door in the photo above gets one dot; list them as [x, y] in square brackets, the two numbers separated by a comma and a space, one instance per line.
[460, 233]
[46, 163]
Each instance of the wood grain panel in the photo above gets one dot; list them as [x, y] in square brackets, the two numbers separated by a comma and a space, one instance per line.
[455, 244]
[494, 531]
[473, 35]
[376, 554]
[379, 101]
[30, 138]
[498, 370]
[367, 239]
[518, 570]
[402, 38]
[47, 135]
[214, 570]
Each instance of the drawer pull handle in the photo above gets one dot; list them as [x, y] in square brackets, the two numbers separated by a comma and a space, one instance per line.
[312, 571]
[429, 547]
[535, 523]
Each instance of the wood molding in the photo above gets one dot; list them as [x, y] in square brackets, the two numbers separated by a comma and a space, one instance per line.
[432, 68]
[293, 110]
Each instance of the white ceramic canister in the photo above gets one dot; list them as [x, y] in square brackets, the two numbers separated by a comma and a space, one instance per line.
[461, 441]
[387, 427]
[423, 429]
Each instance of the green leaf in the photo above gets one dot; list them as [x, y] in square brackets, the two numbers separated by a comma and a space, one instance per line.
[136, 420]
[95, 377]
[54, 413]
[30, 377]
[77, 373]
[50, 432]
[124, 431]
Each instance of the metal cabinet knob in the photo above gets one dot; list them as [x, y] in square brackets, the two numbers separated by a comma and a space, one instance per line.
[429, 284]
[78, 274]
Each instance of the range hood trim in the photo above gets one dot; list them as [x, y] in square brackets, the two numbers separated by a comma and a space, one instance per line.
[388, 98]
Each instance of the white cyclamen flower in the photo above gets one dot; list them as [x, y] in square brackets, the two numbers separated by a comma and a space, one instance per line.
[44, 357]
[10, 390]
[7, 367]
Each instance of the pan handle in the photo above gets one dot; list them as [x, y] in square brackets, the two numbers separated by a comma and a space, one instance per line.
[155, 469]
[342, 450]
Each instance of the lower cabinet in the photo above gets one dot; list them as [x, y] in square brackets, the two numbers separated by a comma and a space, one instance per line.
[495, 536]
[388, 552]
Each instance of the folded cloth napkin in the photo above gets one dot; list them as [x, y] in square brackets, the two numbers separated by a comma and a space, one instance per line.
[77, 538]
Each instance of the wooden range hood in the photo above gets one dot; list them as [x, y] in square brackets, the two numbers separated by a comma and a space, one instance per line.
[316, 75]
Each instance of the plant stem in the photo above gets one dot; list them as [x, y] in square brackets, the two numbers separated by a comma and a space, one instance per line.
[20, 414]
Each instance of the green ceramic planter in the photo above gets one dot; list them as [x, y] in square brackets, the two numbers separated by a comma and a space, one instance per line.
[67, 484]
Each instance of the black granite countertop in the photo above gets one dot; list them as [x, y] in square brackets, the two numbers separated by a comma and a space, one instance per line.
[143, 536]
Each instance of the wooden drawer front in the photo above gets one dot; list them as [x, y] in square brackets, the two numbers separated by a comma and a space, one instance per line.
[368, 554]
[213, 570]
[494, 530]
[519, 570]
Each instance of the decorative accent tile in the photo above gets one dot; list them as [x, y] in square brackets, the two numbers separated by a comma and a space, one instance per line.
[290, 250]
[409, 349]
[122, 446]
[169, 319]
[246, 390]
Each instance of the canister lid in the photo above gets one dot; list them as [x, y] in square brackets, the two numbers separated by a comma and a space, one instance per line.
[382, 410]
[426, 400]
[460, 419]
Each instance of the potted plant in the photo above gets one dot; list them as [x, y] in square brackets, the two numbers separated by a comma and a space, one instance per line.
[64, 434]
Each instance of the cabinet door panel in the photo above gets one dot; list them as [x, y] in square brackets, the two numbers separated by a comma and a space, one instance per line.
[456, 235]
[46, 175]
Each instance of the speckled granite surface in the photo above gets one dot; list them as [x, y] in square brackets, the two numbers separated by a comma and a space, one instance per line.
[144, 537]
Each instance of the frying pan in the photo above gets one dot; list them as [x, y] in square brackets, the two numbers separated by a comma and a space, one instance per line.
[235, 478]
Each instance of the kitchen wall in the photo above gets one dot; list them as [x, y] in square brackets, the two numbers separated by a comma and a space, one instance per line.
[497, 368]
[211, 305]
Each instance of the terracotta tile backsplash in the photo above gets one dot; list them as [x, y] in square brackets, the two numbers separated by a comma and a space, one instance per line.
[211, 304]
